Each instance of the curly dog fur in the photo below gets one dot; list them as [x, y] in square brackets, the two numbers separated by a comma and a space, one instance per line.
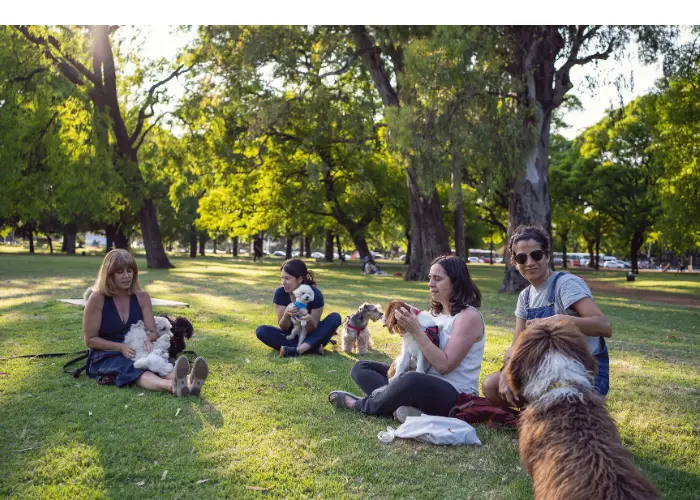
[568, 442]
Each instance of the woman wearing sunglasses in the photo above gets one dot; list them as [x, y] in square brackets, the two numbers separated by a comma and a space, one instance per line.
[550, 296]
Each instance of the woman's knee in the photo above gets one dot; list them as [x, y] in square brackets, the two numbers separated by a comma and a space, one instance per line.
[334, 320]
[358, 368]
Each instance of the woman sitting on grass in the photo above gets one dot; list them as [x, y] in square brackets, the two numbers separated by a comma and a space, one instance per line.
[455, 363]
[115, 303]
[551, 296]
[294, 274]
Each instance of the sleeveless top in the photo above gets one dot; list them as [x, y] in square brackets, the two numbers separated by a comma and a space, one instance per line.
[112, 328]
[465, 377]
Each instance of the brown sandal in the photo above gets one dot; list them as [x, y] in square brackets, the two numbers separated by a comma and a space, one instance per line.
[180, 369]
[200, 372]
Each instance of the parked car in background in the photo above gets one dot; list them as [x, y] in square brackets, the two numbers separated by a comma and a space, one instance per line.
[279, 253]
[377, 255]
[402, 257]
[644, 264]
[475, 260]
[613, 264]
[318, 255]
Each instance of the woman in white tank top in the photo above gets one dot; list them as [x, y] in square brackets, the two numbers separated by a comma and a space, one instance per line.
[455, 363]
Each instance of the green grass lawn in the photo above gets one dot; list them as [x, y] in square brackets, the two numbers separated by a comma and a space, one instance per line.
[264, 427]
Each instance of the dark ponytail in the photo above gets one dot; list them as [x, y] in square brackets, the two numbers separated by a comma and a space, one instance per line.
[298, 269]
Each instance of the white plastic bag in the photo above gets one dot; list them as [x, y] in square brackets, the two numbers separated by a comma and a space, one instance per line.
[432, 429]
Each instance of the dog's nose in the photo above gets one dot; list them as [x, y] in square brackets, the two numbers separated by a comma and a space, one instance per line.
[383, 318]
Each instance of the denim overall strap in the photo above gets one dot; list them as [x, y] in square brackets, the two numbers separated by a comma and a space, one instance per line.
[548, 309]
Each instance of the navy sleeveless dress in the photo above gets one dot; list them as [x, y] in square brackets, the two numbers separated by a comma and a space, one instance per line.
[113, 363]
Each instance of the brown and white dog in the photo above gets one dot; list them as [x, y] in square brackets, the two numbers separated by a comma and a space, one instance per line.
[411, 357]
[568, 442]
[355, 331]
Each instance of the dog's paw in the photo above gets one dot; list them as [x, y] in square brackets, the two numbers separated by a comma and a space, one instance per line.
[290, 336]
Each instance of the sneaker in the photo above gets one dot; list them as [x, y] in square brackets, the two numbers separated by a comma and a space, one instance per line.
[406, 411]
[200, 372]
[288, 352]
[182, 366]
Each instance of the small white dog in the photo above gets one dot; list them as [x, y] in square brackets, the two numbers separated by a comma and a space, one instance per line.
[304, 295]
[155, 361]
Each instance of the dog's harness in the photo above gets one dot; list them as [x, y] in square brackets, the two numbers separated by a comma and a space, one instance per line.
[352, 327]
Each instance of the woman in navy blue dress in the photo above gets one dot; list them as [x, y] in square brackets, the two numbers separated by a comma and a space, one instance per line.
[115, 303]
[295, 273]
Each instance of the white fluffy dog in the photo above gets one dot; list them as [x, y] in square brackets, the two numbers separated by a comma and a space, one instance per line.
[304, 294]
[155, 361]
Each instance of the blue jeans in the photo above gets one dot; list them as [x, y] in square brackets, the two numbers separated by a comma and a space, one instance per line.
[276, 338]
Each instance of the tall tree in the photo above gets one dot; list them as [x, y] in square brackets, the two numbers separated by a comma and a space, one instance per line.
[540, 60]
[102, 88]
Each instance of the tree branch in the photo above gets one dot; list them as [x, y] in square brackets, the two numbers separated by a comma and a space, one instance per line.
[347, 65]
[149, 101]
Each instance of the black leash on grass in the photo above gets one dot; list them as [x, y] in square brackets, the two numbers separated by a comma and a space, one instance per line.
[83, 354]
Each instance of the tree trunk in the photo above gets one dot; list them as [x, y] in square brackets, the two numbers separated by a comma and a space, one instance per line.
[48, 238]
[361, 245]
[597, 246]
[70, 234]
[458, 217]
[156, 257]
[170, 246]
[214, 245]
[635, 245]
[202, 242]
[329, 246]
[301, 246]
[564, 239]
[307, 246]
[407, 261]
[258, 247]
[193, 241]
[234, 246]
[109, 236]
[341, 255]
[429, 236]
[529, 201]
[288, 248]
[31, 241]
[428, 233]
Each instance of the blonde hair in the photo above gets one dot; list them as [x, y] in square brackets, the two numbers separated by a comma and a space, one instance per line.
[114, 260]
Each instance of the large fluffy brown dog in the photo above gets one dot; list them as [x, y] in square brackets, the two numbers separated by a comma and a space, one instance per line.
[568, 442]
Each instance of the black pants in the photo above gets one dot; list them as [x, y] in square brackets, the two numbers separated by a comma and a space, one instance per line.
[429, 394]
[276, 338]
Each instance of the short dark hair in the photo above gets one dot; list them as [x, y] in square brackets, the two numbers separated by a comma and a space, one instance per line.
[522, 233]
[298, 269]
[465, 293]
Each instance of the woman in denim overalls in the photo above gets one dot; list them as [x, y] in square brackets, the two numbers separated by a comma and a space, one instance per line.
[530, 254]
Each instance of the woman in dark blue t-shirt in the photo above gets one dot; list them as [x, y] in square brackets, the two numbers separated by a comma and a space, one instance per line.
[294, 274]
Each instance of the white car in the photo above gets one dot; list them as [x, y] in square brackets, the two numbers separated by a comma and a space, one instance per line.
[377, 255]
[318, 255]
[613, 264]
[475, 260]
[403, 257]
[279, 253]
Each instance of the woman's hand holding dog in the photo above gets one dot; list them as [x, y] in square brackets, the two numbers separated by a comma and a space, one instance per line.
[147, 345]
[127, 351]
[291, 310]
[408, 322]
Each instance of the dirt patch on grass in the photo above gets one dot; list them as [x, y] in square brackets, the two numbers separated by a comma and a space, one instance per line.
[678, 299]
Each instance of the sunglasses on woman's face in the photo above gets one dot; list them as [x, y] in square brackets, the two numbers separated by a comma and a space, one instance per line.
[536, 255]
